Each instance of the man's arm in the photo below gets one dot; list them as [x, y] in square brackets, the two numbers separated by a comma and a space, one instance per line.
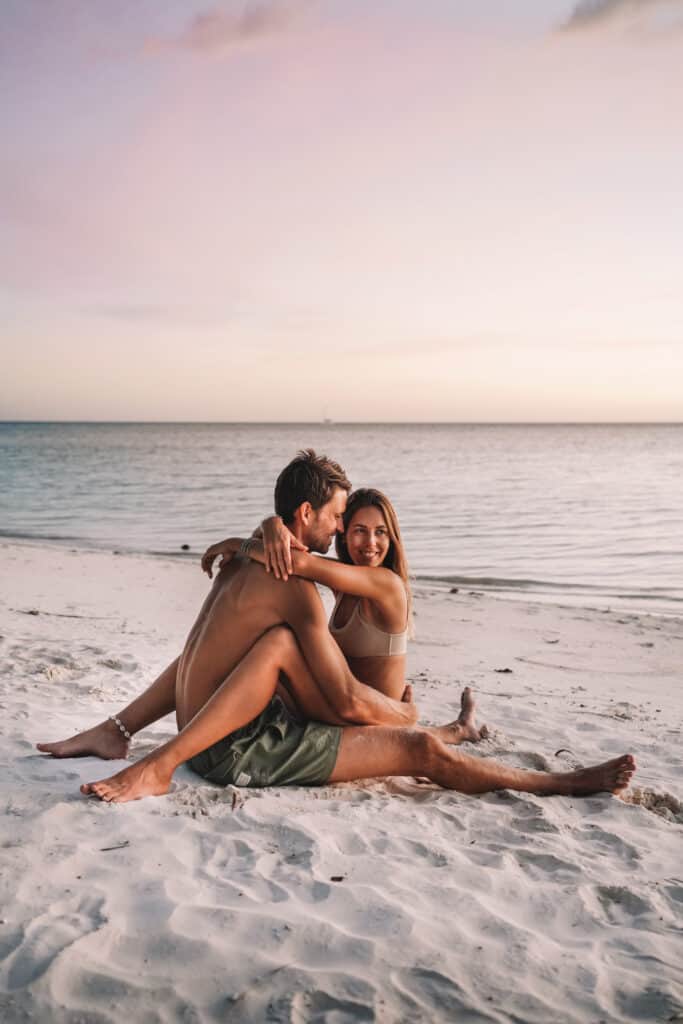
[351, 700]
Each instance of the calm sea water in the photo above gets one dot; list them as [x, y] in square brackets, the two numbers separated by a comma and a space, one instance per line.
[568, 511]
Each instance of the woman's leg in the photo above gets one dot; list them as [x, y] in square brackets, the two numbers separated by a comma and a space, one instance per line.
[106, 739]
[375, 752]
[296, 680]
[280, 659]
[237, 701]
[159, 699]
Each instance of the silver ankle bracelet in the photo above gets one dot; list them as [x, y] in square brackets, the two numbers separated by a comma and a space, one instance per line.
[117, 721]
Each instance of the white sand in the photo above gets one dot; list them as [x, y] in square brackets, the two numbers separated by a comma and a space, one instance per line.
[385, 901]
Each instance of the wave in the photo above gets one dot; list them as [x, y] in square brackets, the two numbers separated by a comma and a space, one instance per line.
[23, 535]
[501, 583]
[93, 544]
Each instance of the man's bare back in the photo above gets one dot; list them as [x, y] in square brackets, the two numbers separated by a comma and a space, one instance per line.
[244, 602]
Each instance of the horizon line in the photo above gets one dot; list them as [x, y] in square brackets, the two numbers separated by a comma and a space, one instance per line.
[351, 423]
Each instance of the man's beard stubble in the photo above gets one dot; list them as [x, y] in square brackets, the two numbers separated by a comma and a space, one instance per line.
[320, 543]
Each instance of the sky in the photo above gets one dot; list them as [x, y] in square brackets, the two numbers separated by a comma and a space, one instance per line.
[367, 210]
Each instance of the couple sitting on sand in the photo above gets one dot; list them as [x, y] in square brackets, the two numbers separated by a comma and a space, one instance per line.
[265, 694]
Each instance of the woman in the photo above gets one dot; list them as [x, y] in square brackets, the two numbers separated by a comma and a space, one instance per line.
[372, 615]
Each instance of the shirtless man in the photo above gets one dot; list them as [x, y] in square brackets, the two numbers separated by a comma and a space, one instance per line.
[233, 730]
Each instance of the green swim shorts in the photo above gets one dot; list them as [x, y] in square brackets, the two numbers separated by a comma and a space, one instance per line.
[273, 750]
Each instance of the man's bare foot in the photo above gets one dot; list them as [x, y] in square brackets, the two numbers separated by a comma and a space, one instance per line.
[147, 777]
[104, 740]
[609, 777]
[464, 729]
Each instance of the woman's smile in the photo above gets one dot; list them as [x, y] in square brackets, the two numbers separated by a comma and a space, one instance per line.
[367, 537]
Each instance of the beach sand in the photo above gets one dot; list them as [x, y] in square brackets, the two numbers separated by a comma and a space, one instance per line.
[387, 901]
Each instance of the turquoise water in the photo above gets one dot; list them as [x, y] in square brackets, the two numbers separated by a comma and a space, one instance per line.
[561, 510]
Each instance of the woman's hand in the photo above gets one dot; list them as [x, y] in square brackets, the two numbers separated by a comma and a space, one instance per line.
[278, 543]
[225, 548]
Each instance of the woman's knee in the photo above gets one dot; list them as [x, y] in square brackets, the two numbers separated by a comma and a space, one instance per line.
[280, 642]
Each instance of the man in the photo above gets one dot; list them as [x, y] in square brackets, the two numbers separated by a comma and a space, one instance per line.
[230, 728]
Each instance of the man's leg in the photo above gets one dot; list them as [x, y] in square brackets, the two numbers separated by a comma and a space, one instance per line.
[377, 751]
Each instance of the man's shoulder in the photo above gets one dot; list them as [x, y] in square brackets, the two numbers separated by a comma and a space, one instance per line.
[297, 595]
[294, 588]
[299, 586]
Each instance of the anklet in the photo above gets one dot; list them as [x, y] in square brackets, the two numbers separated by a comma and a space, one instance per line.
[119, 723]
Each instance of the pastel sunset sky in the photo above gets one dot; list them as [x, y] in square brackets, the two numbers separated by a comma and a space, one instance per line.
[437, 210]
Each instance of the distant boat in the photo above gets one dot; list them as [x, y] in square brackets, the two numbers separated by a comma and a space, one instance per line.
[326, 420]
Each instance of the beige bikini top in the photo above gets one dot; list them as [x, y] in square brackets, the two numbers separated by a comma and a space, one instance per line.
[359, 638]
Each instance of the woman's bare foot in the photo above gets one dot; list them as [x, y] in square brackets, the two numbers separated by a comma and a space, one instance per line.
[464, 729]
[609, 777]
[104, 740]
[468, 707]
[148, 777]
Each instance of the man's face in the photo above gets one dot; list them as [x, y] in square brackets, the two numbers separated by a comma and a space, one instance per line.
[325, 523]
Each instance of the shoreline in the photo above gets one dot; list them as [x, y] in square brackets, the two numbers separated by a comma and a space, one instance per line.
[589, 596]
[386, 900]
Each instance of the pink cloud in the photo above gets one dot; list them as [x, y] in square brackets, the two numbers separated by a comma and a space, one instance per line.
[594, 13]
[217, 31]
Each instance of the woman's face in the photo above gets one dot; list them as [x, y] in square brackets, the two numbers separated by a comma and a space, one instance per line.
[367, 537]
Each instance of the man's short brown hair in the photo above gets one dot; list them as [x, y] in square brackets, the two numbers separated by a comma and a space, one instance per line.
[308, 477]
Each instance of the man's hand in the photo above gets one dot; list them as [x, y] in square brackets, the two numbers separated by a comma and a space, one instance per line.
[278, 543]
[224, 549]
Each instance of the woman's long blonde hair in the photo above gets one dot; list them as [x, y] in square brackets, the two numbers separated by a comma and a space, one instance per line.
[395, 559]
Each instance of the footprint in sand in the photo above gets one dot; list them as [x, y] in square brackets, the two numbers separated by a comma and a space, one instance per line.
[607, 843]
[617, 900]
[119, 664]
[530, 759]
[674, 891]
[545, 864]
[55, 672]
[534, 823]
[59, 668]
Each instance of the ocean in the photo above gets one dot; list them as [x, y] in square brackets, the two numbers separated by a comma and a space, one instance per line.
[579, 513]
